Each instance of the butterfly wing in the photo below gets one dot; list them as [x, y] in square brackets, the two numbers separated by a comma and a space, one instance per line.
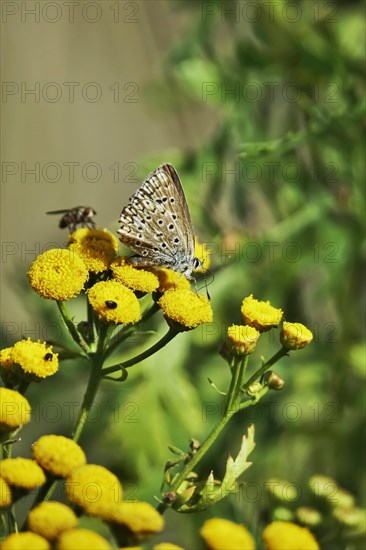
[156, 223]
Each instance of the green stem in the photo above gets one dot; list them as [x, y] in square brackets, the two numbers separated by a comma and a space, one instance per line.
[147, 353]
[234, 393]
[281, 353]
[195, 459]
[97, 360]
[7, 440]
[90, 318]
[126, 332]
[93, 384]
[23, 386]
[72, 328]
[13, 526]
[231, 407]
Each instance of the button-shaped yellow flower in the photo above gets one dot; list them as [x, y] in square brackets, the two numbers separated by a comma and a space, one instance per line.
[221, 534]
[140, 519]
[114, 303]
[93, 488]
[25, 541]
[82, 539]
[23, 473]
[260, 315]
[295, 336]
[58, 455]
[242, 339]
[133, 277]
[31, 361]
[15, 409]
[50, 519]
[58, 274]
[97, 247]
[284, 535]
[185, 308]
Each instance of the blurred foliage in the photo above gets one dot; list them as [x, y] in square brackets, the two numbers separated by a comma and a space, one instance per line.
[277, 193]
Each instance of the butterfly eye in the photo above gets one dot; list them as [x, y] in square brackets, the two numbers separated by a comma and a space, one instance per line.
[196, 263]
[111, 304]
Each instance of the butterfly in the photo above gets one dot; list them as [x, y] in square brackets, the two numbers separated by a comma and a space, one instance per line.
[156, 224]
[79, 215]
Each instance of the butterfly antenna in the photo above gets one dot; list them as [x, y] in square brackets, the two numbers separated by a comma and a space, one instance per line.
[206, 283]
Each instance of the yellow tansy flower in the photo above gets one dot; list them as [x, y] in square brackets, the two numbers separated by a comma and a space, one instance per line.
[260, 315]
[50, 519]
[202, 253]
[15, 409]
[295, 336]
[134, 277]
[97, 247]
[221, 534]
[140, 519]
[58, 274]
[58, 455]
[33, 360]
[185, 308]
[25, 541]
[351, 517]
[114, 303]
[22, 473]
[6, 497]
[82, 539]
[308, 516]
[93, 488]
[169, 279]
[282, 490]
[166, 546]
[284, 535]
[242, 339]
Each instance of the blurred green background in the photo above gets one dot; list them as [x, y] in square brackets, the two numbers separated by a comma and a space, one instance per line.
[260, 106]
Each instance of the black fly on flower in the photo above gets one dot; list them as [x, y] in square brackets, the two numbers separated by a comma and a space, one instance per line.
[79, 215]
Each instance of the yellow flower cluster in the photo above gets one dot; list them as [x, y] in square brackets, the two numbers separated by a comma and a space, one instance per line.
[134, 278]
[58, 274]
[185, 308]
[22, 473]
[114, 302]
[258, 317]
[221, 534]
[96, 247]
[29, 361]
[58, 455]
[61, 274]
[284, 535]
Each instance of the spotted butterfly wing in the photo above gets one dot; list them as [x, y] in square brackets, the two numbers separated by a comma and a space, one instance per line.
[156, 224]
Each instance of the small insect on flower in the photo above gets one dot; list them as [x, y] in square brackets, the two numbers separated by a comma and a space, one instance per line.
[111, 304]
[79, 215]
[157, 225]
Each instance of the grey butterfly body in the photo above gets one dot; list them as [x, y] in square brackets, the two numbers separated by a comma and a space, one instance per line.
[156, 224]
